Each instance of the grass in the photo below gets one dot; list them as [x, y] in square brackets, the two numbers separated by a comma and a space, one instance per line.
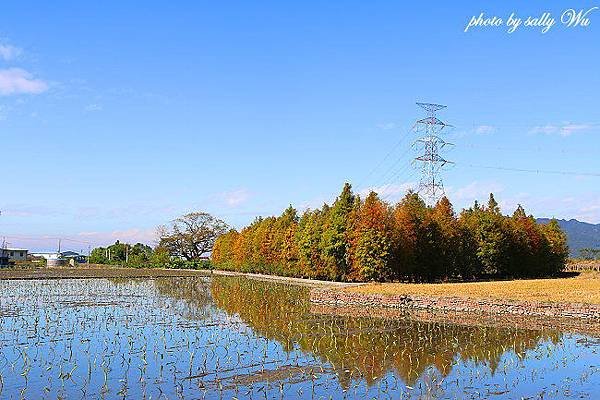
[584, 288]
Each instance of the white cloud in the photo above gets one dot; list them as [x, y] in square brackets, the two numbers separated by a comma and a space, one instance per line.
[8, 52]
[19, 81]
[465, 196]
[569, 129]
[81, 241]
[29, 210]
[391, 193]
[564, 129]
[133, 235]
[236, 197]
[101, 212]
[485, 129]
[387, 126]
[93, 107]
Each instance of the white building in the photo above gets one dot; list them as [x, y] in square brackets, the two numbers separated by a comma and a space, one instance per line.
[14, 254]
[45, 254]
[54, 255]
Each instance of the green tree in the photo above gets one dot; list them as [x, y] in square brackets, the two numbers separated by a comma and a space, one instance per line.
[558, 253]
[98, 256]
[335, 235]
[409, 215]
[308, 238]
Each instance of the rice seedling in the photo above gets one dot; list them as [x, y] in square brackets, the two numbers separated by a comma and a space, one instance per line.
[228, 337]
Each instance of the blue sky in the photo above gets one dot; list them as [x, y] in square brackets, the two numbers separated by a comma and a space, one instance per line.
[116, 118]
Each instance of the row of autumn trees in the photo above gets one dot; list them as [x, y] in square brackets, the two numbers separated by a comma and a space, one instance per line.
[362, 240]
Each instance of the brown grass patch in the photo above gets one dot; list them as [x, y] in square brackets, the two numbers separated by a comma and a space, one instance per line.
[584, 288]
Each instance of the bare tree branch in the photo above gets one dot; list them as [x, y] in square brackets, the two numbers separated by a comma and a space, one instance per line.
[192, 235]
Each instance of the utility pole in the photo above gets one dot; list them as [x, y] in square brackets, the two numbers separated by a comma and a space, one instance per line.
[431, 186]
[3, 237]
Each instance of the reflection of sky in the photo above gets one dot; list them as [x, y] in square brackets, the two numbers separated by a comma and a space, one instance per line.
[75, 338]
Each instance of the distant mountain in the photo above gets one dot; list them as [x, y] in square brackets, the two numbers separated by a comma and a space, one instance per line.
[580, 235]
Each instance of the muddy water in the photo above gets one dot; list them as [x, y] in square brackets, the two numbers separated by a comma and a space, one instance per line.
[225, 337]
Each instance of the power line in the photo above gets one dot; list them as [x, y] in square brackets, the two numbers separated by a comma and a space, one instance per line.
[47, 238]
[384, 159]
[536, 171]
[390, 171]
[529, 149]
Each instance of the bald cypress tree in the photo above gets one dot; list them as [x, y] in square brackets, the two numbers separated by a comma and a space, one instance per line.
[447, 248]
[558, 250]
[335, 242]
[372, 241]
[368, 240]
[409, 216]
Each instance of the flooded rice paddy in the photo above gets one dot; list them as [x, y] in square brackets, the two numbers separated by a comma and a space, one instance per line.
[227, 337]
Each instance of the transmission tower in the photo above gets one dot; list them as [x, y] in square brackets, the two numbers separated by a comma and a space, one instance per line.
[430, 146]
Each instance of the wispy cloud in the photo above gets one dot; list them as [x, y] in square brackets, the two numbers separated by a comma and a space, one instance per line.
[138, 210]
[465, 195]
[8, 52]
[564, 129]
[86, 212]
[386, 126]
[29, 210]
[93, 107]
[583, 207]
[485, 129]
[480, 129]
[236, 197]
[83, 240]
[133, 235]
[390, 193]
[19, 81]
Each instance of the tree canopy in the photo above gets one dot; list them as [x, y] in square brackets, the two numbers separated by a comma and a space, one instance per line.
[362, 240]
[191, 236]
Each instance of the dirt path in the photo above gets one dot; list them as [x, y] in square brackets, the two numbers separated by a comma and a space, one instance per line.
[98, 271]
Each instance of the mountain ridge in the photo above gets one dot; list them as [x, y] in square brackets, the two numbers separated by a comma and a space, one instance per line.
[580, 235]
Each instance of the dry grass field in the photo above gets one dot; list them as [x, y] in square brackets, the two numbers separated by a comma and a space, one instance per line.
[584, 288]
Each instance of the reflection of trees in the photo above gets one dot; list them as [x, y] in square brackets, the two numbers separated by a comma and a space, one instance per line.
[362, 346]
[192, 295]
[188, 296]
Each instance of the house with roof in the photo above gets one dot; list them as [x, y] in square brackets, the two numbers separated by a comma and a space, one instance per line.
[10, 255]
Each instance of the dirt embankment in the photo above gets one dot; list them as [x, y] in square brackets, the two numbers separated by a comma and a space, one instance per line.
[562, 324]
[105, 271]
[574, 298]
[94, 272]
[583, 266]
[332, 297]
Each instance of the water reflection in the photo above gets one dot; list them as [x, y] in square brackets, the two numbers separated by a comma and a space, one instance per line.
[368, 347]
[224, 337]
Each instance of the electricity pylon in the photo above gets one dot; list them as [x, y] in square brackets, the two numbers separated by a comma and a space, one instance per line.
[431, 186]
